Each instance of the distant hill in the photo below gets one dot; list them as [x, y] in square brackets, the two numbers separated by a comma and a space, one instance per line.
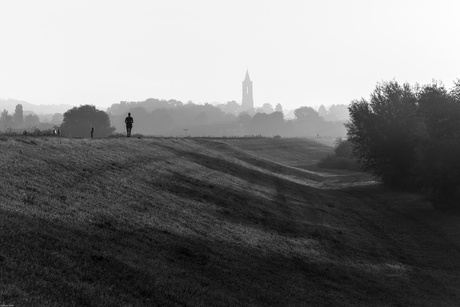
[10, 105]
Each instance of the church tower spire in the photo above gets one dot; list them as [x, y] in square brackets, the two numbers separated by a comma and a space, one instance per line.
[248, 101]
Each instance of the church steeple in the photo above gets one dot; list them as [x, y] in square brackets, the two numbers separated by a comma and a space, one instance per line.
[248, 101]
[247, 76]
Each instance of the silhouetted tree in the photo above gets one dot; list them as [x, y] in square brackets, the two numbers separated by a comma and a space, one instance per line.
[337, 112]
[201, 119]
[244, 118]
[279, 108]
[276, 123]
[307, 114]
[150, 104]
[260, 124]
[439, 148]
[231, 107]
[343, 148]
[78, 121]
[342, 158]
[57, 119]
[229, 117]
[267, 108]
[31, 120]
[6, 120]
[410, 138]
[382, 131]
[267, 124]
[18, 118]
[322, 112]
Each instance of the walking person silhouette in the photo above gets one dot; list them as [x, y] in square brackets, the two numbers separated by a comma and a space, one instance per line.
[129, 124]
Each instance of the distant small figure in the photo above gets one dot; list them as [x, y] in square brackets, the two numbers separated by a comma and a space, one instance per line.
[129, 124]
[59, 132]
[92, 132]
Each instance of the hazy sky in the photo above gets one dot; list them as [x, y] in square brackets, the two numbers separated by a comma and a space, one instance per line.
[299, 53]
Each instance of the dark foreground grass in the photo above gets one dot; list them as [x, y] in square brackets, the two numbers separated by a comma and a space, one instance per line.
[186, 222]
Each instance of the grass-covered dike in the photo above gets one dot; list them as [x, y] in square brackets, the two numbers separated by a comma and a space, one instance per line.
[212, 222]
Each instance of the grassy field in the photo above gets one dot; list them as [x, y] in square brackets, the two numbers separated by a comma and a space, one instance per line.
[212, 222]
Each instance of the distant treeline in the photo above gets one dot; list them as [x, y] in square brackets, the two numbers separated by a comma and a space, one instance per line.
[23, 120]
[409, 137]
[174, 118]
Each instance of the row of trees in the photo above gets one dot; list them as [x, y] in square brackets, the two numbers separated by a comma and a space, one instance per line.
[18, 121]
[174, 117]
[337, 112]
[196, 120]
[409, 137]
[76, 122]
[209, 120]
[152, 104]
[232, 107]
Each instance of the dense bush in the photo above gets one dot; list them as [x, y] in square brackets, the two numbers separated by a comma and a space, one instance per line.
[382, 131]
[30, 132]
[342, 158]
[409, 137]
[343, 148]
[336, 162]
[78, 122]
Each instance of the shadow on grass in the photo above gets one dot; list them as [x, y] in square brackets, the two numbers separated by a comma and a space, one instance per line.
[221, 164]
[49, 263]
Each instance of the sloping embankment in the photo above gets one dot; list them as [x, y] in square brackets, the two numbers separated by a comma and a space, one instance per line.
[147, 222]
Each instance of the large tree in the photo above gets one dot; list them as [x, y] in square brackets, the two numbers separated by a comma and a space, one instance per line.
[382, 131]
[410, 137]
[244, 118]
[78, 121]
[6, 120]
[231, 107]
[18, 117]
[57, 118]
[338, 112]
[322, 112]
[278, 107]
[307, 114]
[31, 120]
[439, 146]
[267, 108]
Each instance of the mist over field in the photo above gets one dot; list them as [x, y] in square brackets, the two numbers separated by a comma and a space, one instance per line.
[210, 153]
[175, 118]
[160, 202]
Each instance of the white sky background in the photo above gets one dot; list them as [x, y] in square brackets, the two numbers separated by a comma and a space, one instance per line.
[299, 53]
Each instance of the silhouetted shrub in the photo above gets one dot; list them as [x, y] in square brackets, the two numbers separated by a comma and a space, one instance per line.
[342, 157]
[78, 122]
[343, 148]
[335, 162]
